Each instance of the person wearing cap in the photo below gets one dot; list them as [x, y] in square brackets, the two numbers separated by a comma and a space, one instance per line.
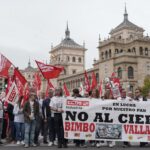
[31, 114]
[56, 105]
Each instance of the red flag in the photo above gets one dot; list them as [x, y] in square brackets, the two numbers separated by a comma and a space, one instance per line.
[49, 71]
[116, 82]
[87, 83]
[5, 64]
[94, 82]
[37, 82]
[20, 81]
[66, 91]
[13, 94]
[49, 86]
[21, 78]
[113, 75]
[25, 94]
[10, 81]
[101, 88]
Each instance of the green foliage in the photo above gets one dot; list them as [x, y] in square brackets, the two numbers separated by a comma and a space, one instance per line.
[146, 87]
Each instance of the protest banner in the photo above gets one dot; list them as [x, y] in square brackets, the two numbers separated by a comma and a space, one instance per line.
[13, 94]
[110, 120]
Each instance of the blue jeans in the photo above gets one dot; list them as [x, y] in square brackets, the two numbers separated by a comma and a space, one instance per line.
[20, 129]
[29, 132]
[12, 130]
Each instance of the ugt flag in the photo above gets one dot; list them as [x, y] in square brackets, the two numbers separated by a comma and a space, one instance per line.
[49, 71]
[5, 64]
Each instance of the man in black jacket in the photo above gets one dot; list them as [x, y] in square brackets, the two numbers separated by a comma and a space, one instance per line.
[48, 118]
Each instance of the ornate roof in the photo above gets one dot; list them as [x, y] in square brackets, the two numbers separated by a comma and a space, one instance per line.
[29, 68]
[68, 42]
[126, 24]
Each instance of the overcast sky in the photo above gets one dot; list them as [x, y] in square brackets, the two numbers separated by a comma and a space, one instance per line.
[28, 27]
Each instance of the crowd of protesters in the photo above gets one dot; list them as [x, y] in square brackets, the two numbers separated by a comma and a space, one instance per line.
[42, 116]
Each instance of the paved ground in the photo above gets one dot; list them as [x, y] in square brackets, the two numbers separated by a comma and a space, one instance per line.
[70, 147]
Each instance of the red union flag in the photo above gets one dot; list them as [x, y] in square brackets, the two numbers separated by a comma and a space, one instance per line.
[12, 95]
[94, 82]
[20, 81]
[20, 77]
[25, 94]
[4, 66]
[66, 91]
[37, 82]
[49, 71]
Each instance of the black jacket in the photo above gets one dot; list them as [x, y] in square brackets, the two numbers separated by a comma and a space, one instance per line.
[46, 108]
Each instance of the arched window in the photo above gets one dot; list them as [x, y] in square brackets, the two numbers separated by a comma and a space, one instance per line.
[106, 55]
[29, 76]
[146, 51]
[79, 59]
[133, 50]
[68, 58]
[141, 50]
[116, 51]
[73, 59]
[130, 72]
[121, 50]
[110, 53]
[64, 71]
[129, 50]
[119, 73]
[102, 55]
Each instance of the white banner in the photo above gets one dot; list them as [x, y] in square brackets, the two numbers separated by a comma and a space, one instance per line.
[111, 120]
[13, 94]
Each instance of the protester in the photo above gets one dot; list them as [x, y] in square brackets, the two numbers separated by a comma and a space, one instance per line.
[140, 98]
[49, 124]
[1, 118]
[12, 130]
[79, 143]
[124, 97]
[95, 95]
[107, 96]
[31, 114]
[56, 105]
[19, 121]
[130, 95]
[39, 125]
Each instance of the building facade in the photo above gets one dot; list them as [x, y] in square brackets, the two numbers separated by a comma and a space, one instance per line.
[127, 53]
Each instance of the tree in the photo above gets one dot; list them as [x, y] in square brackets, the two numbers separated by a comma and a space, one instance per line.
[146, 87]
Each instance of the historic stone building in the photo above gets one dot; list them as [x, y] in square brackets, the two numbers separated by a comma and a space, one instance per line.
[127, 52]
[29, 73]
[72, 56]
